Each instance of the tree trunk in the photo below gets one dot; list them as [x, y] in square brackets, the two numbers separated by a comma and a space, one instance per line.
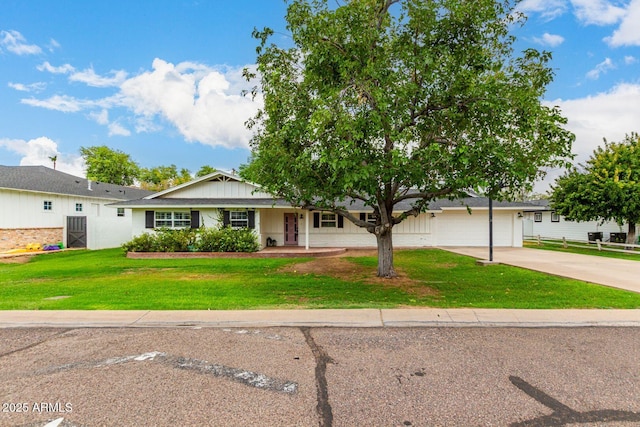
[631, 235]
[385, 254]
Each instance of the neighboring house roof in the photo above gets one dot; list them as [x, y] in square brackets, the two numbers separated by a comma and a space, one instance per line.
[539, 205]
[46, 180]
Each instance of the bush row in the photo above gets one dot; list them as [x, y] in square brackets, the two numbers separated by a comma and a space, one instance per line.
[225, 239]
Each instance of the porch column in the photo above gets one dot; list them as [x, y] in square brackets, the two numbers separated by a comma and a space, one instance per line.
[306, 230]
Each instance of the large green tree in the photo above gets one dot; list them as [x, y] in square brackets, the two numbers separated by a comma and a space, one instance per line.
[606, 188]
[162, 177]
[391, 101]
[108, 165]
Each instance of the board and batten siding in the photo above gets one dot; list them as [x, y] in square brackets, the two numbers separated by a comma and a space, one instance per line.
[217, 190]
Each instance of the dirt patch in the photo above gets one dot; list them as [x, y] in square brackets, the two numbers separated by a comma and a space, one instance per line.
[18, 259]
[343, 269]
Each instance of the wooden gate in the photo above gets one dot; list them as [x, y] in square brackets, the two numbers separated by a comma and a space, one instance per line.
[76, 231]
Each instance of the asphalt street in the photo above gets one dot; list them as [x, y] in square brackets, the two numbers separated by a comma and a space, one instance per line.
[193, 376]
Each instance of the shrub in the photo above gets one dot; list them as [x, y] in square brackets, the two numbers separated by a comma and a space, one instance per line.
[202, 240]
[227, 239]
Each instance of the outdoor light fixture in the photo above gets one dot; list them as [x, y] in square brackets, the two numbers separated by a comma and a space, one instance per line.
[519, 214]
[433, 215]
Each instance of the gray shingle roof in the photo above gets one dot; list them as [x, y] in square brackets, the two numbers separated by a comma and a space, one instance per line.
[357, 206]
[47, 180]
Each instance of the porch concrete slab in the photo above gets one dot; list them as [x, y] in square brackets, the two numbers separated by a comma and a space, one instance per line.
[612, 272]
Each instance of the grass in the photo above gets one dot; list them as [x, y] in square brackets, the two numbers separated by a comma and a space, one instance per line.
[107, 280]
[583, 251]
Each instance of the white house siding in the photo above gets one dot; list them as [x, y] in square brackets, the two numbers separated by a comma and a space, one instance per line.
[459, 228]
[217, 190]
[25, 210]
[571, 230]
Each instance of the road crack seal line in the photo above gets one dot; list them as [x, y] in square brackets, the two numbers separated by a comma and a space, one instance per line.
[322, 359]
[562, 414]
[35, 344]
[249, 378]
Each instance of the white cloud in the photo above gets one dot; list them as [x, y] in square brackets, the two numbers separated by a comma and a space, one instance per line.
[64, 103]
[547, 39]
[628, 60]
[90, 78]
[53, 45]
[15, 42]
[628, 33]
[63, 69]
[38, 152]
[33, 87]
[601, 68]
[203, 103]
[101, 117]
[609, 115]
[117, 129]
[548, 9]
[597, 12]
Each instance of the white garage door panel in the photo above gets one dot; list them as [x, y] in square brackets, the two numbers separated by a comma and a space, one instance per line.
[462, 229]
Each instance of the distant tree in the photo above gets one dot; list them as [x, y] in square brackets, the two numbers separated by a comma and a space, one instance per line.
[54, 159]
[205, 170]
[111, 166]
[162, 177]
[386, 105]
[606, 188]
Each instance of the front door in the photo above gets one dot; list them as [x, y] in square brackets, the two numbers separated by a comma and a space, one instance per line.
[291, 229]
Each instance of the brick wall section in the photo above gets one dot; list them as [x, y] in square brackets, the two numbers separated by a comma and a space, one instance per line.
[16, 238]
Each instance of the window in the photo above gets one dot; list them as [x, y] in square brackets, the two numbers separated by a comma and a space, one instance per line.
[120, 211]
[537, 216]
[328, 220]
[48, 205]
[371, 218]
[172, 219]
[78, 207]
[555, 217]
[239, 219]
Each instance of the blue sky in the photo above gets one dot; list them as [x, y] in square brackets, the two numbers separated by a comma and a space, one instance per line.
[161, 80]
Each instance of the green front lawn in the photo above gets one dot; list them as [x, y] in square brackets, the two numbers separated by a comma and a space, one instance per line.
[107, 280]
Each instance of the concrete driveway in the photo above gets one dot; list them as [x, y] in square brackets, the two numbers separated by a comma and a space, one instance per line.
[616, 273]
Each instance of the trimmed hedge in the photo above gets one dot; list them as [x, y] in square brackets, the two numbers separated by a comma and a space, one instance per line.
[225, 239]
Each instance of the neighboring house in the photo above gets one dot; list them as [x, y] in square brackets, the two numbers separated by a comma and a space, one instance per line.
[42, 205]
[225, 199]
[543, 221]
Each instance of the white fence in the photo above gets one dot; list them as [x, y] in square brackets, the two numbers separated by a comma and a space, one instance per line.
[627, 248]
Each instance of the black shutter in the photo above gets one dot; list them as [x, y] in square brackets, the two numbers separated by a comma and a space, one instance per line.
[149, 219]
[340, 221]
[363, 216]
[195, 219]
[316, 220]
[225, 218]
[252, 219]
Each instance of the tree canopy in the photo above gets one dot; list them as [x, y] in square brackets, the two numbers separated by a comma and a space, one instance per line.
[105, 164]
[385, 101]
[111, 166]
[606, 188]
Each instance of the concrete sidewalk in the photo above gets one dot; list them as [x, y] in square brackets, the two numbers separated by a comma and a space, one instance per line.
[418, 317]
[612, 272]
